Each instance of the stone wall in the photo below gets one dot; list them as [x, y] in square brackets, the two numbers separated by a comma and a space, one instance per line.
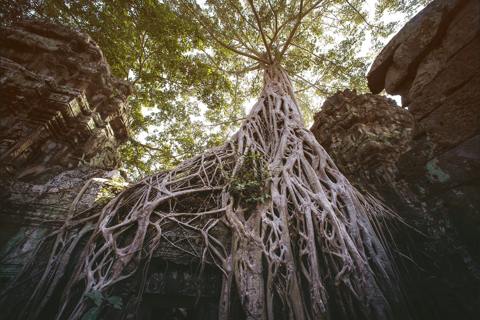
[364, 134]
[60, 105]
[434, 64]
[371, 140]
[63, 118]
[423, 162]
[30, 210]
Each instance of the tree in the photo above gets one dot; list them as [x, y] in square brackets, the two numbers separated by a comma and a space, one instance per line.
[168, 59]
[305, 243]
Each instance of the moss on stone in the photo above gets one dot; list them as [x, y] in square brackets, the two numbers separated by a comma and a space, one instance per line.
[434, 173]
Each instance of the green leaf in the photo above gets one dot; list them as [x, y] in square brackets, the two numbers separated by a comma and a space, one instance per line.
[116, 302]
[96, 296]
[91, 314]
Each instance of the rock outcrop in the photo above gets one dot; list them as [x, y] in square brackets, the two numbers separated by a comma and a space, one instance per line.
[60, 105]
[373, 142]
[434, 64]
[432, 176]
[364, 134]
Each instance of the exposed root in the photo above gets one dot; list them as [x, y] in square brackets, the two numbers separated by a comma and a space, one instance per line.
[315, 245]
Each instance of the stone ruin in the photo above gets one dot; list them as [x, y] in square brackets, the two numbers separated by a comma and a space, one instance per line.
[364, 134]
[60, 105]
[64, 116]
[422, 159]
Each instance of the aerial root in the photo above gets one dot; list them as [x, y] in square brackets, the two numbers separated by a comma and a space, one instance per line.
[316, 239]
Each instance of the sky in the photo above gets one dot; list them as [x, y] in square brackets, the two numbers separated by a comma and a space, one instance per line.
[370, 6]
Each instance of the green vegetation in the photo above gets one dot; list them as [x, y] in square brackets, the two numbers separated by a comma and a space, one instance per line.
[100, 301]
[435, 173]
[249, 181]
[305, 242]
[111, 189]
[190, 92]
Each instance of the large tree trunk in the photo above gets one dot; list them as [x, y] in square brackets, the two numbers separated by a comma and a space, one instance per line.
[314, 247]
[314, 227]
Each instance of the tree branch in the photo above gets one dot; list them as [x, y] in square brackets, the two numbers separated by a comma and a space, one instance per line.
[311, 84]
[252, 67]
[297, 24]
[118, 61]
[276, 21]
[361, 15]
[243, 17]
[323, 59]
[141, 60]
[220, 42]
[135, 142]
[226, 21]
[267, 47]
[220, 123]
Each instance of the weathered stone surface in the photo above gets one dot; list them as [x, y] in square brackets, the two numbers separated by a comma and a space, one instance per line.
[457, 167]
[182, 280]
[414, 40]
[165, 284]
[364, 135]
[434, 64]
[463, 68]
[460, 32]
[433, 190]
[29, 210]
[60, 105]
[457, 119]
[438, 175]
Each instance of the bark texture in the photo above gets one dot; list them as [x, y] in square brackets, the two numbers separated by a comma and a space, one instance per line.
[314, 249]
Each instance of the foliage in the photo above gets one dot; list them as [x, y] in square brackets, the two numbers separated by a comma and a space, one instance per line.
[110, 189]
[92, 314]
[407, 7]
[248, 182]
[322, 55]
[146, 43]
[99, 300]
[190, 92]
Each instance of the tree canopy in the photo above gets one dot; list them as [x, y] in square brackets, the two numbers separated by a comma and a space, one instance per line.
[190, 92]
